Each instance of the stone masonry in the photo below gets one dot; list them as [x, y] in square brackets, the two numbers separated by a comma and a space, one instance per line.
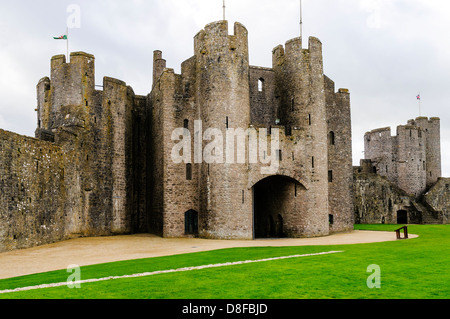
[400, 179]
[102, 160]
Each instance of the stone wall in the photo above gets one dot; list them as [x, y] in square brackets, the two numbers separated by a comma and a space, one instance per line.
[438, 200]
[340, 164]
[412, 158]
[32, 193]
[218, 89]
[103, 157]
[377, 200]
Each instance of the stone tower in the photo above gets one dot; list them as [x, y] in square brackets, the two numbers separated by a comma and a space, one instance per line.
[411, 159]
[94, 128]
[223, 150]
[218, 93]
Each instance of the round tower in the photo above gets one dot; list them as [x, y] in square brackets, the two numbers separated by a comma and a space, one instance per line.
[301, 89]
[222, 63]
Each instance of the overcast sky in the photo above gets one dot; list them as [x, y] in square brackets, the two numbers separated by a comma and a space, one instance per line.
[384, 51]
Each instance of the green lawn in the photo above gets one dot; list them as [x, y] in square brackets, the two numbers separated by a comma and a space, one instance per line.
[411, 269]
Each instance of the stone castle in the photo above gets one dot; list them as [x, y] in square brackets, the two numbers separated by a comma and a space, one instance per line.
[400, 179]
[102, 160]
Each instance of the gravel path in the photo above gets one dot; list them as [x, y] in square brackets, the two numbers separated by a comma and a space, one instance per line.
[89, 251]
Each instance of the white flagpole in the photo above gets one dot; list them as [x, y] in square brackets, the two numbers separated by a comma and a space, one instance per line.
[67, 35]
[420, 105]
[224, 10]
[301, 20]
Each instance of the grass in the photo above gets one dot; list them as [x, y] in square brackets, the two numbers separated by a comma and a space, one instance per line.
[412, 269]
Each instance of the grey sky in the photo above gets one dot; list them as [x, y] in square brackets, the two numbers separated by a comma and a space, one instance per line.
[384, 51]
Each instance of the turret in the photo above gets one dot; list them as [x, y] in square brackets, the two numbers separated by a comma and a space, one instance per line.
[301, 89]
[159, 64]
[223, 98]
[72, 86]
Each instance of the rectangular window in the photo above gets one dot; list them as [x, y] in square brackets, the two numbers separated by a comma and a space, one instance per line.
[312, 162]
[260, 85]
[330, 176]
[189, 172]
[279, 155]
[331, 219]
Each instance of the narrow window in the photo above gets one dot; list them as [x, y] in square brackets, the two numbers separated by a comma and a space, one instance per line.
[188, 172]
[312, 162]
[186, 124]
[288, 130]
[331, 219]
[279, 155]
[330, 176]
[292, 105]
[332, 139]
[243, 197]
[87, 104]
[260, 85]
[309, 119]
[226, 122]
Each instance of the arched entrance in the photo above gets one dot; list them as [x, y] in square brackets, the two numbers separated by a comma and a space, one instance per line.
[274, 200]
[191, 222]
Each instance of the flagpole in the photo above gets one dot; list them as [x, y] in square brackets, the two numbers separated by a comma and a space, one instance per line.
[68, 55]
[224, 10]
[420, 105]
[301, 20]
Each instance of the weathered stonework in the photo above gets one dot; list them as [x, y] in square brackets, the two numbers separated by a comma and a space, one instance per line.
[412, 158]
[437, 200]
[400, 179]
[102, 160]
[218, 87]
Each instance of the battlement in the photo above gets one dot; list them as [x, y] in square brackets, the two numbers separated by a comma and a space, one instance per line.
[380, 132]
[215, 38]
[294, 48]
[220, 29]
[412, 158]
[75, 58]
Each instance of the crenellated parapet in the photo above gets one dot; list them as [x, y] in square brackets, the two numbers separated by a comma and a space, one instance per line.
[412, 158]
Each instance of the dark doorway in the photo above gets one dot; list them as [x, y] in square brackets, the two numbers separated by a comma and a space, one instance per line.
[274, 199]
[402, 217]
[191, 222]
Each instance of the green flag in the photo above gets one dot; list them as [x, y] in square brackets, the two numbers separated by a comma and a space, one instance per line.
[63, 37]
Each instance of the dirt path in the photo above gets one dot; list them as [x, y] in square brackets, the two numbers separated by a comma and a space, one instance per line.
[90, 251]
